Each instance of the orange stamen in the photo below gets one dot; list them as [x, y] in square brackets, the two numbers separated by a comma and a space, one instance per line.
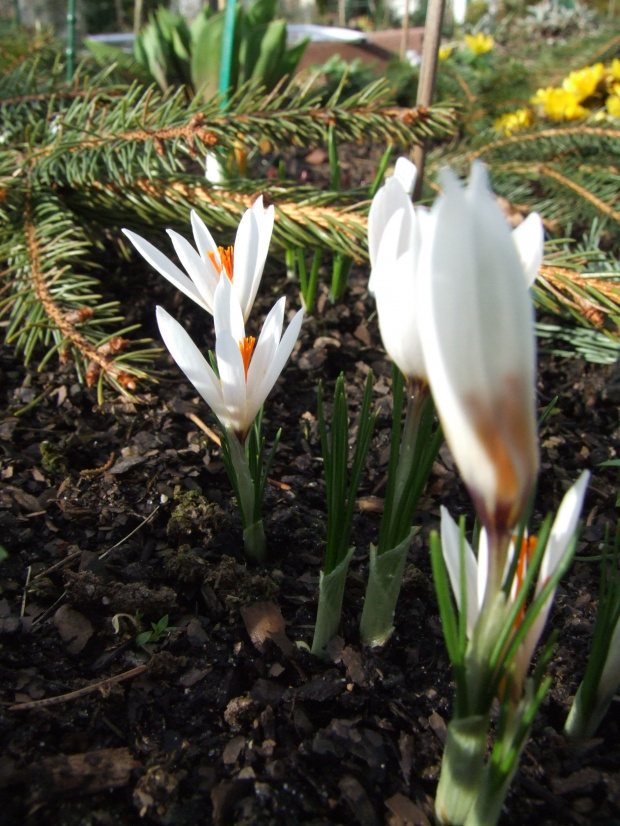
[528, 546]
[247, 348]
[226, 256]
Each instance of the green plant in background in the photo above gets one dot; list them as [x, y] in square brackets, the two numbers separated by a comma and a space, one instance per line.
[341, 486]
[602, 676]
[174, 53]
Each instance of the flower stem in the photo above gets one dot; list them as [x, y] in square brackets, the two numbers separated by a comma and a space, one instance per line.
[253, 531]
[461, 769]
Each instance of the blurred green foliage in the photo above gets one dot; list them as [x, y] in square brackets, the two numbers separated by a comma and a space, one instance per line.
[174, 53]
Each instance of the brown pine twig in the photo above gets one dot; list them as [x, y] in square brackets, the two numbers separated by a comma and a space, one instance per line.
[46, 702]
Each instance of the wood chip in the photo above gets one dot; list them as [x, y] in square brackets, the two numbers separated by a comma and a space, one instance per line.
[264, 621]
[74, 628]
[405, 812]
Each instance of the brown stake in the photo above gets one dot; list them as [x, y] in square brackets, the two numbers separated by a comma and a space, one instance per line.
[428, 75]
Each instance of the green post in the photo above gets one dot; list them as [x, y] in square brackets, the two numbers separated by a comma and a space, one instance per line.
[227, 49]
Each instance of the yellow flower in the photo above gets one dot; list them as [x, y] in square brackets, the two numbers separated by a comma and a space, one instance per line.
[514, 121]
[613, 105]
[445, 52]
[479, 43]
[559, 104]
[584, 82]
[613, 71]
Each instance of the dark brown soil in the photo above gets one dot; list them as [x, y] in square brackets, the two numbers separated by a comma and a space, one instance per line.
[124, 510]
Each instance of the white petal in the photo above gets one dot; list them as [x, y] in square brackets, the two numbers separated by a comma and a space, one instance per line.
[204, 278]
[204, 240]
[390, 199]
[191, 361]
[214, 171]
[266, 345]
[397, 308]
[257, 394]
[165, 266]
[227, 315]
[562, 531]
[483, 566]
[529, 239]
[406, 172]
[451, 548]
[563, 528]
[265, 219]
[477, 334]
[232, 376]
[246, 252]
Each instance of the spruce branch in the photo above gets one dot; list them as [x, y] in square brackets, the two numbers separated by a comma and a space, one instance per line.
[50, 303]
[147, 133]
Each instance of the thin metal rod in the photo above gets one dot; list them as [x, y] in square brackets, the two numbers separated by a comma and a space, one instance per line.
[428, 75]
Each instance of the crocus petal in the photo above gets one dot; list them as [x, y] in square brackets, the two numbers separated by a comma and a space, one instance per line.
[266, 346]
[203, 239]
[191, 361]
[214, 171]
[204, 278]
[406, 172]
[483, 565]
[563, 528]
[227, 314]
[257, 396]
[243, 396]
[562, 531]
[165, 267]
[477, 334]
[265, 219]
[393, 197]
[232, 377]
[451, 548]
[250, 252]
[246, 252]
[397, 308]
[529, 239]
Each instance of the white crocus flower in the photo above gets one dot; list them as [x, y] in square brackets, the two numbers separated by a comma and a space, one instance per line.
[476, 569]
[395, 234]
[247, 369]
[476, 321]
[394, 195]
[204, 265]
[396, 283]
[529, 239]
[562, 532]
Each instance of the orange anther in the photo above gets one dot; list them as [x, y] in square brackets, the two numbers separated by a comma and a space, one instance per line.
[225, 262]
[246, 346]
